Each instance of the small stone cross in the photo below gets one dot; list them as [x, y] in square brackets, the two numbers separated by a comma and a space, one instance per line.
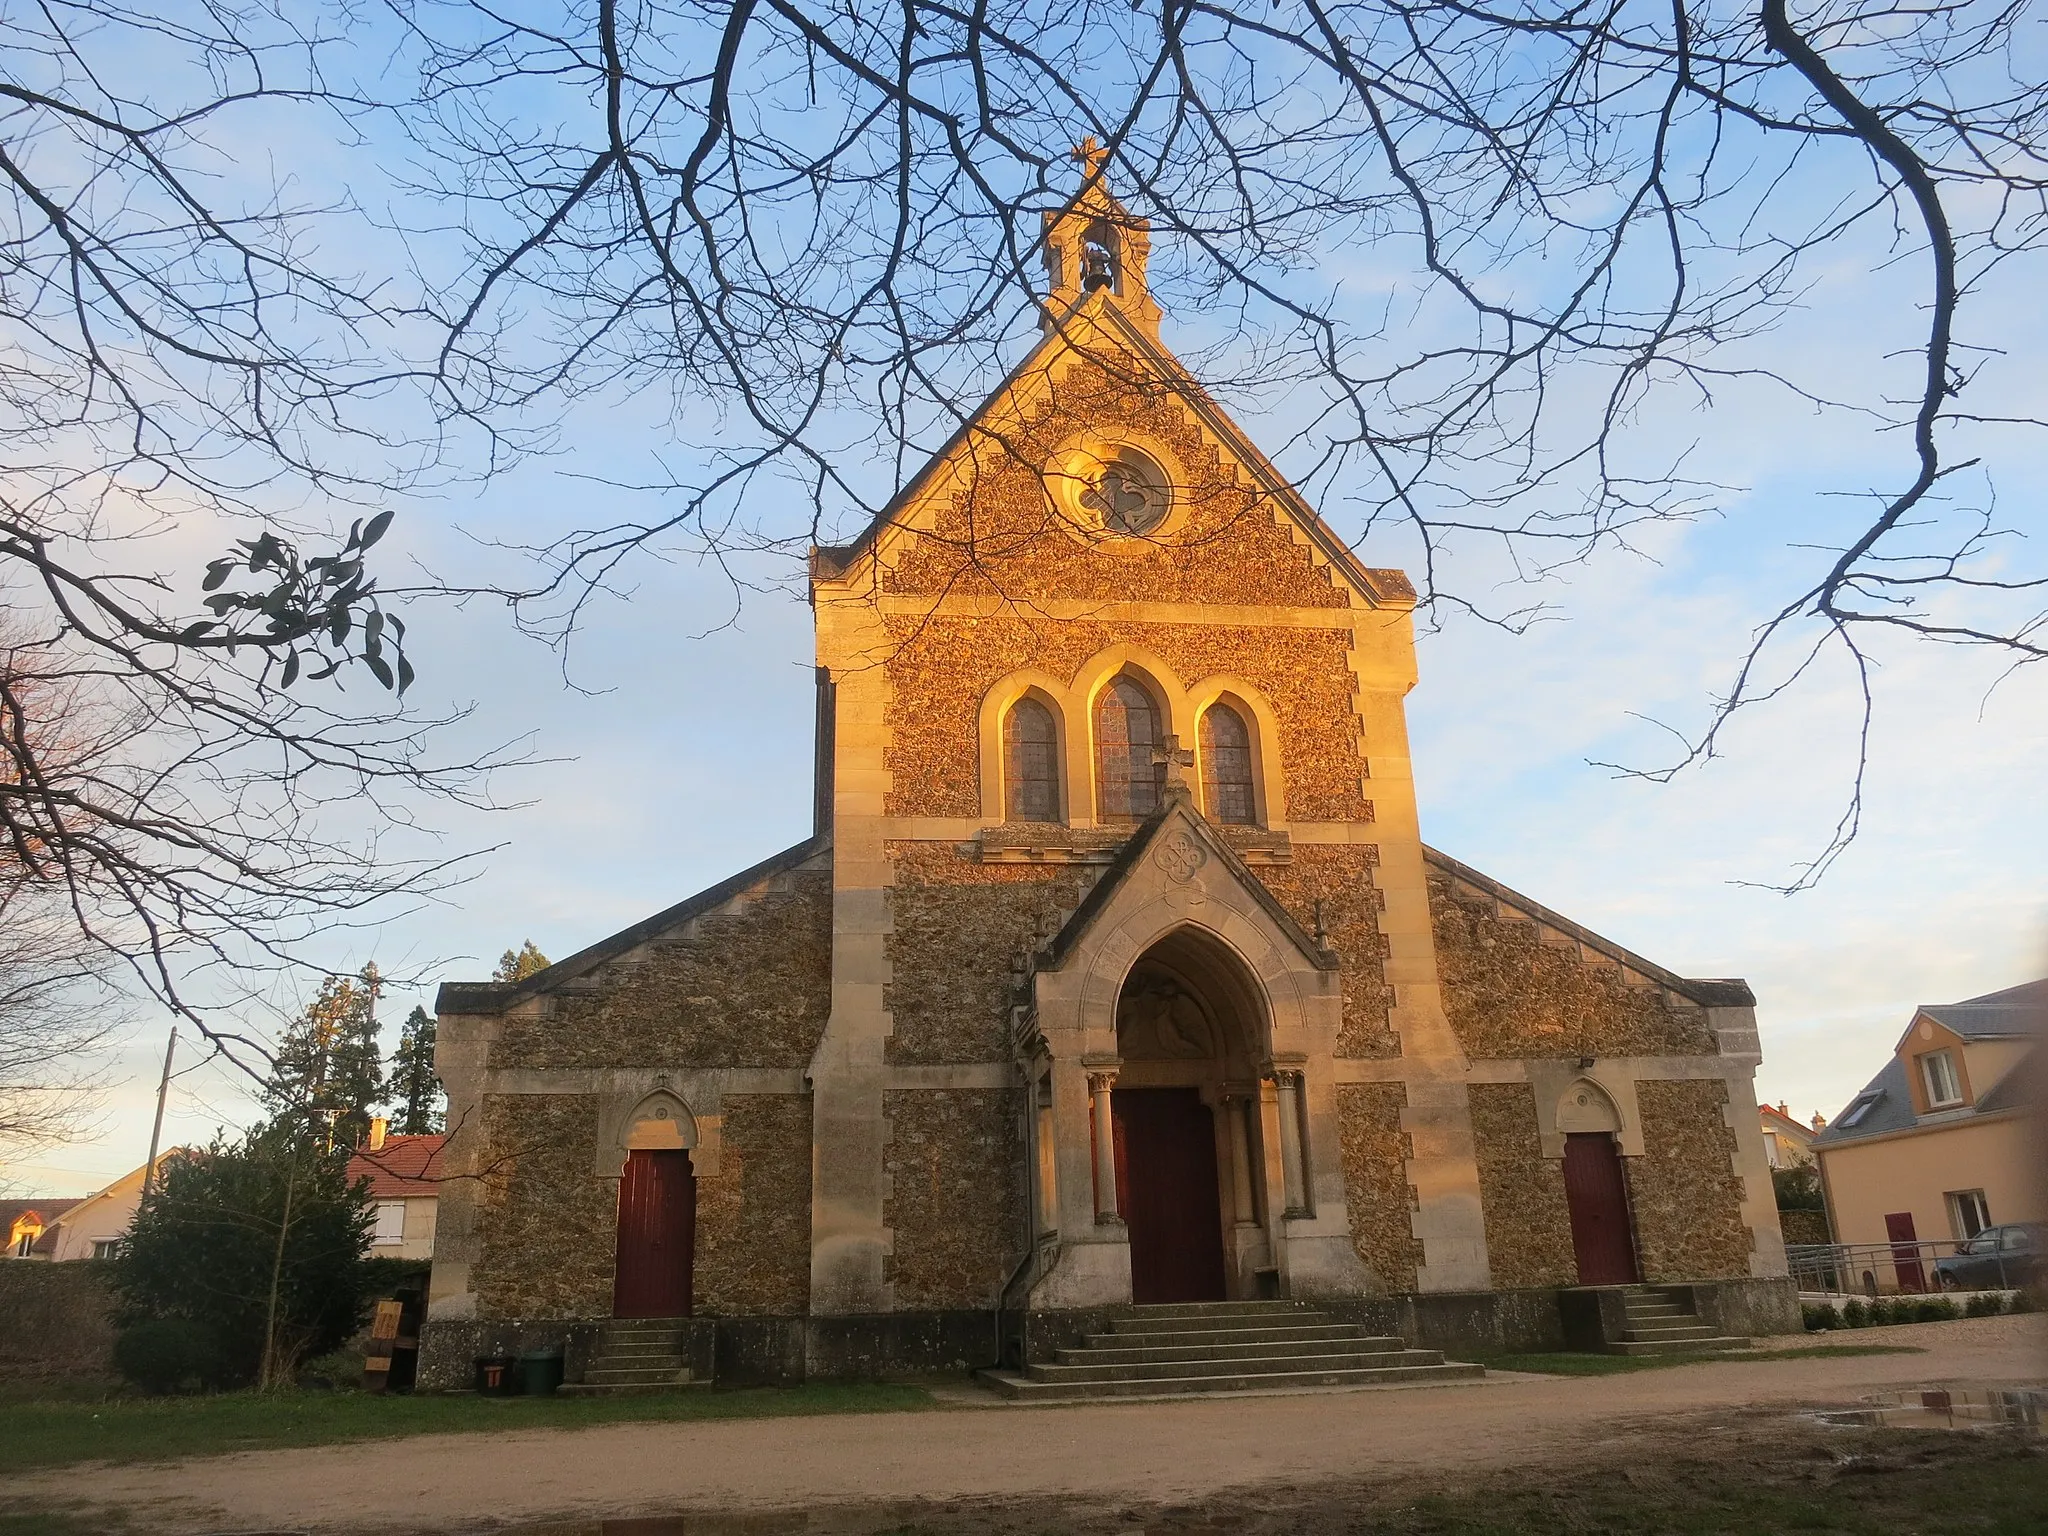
[1176, 759]
[1091, 155]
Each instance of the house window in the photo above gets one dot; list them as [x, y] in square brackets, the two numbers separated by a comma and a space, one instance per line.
[1938, 1071]
[25, 1239]
[1968, 1214]
[390, 1229]
[1227, 767]
[106, 1248]
[1031, 763]
[1129, 772]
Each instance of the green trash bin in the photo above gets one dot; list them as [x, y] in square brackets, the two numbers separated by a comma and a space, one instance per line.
[540, 1372]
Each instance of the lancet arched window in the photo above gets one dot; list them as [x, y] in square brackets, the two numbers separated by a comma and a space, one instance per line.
[1227, 767]
[1129, 770]
[1031, 763]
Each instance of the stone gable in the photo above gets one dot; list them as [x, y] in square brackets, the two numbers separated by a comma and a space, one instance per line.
[749, 986]
[1509, 993]
[1000, 536]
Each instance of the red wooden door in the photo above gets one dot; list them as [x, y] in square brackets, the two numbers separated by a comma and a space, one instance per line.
[1898, 1227]
[1167, 1193]
[1598, 1199]
[657, 1236]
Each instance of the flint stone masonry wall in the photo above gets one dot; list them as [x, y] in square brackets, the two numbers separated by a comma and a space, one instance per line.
[940, 668]
[753, 1254]
[549, 1224]
[956, 1203]
[1002, 536]
[1380, 1201]
[1508, 994]
[1683, 1190]
[1528, 1223]
[958, 925]
[750, 988]
[1341, 877]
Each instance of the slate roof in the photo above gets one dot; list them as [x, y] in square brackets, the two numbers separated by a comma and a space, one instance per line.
[1887, 1099]
[2015, 1011]
[403, 1166]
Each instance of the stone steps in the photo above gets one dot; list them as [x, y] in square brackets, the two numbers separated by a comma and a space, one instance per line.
[1113, 1353]
[637, 1356]
[1196, 1337]
[1223, 1347]
[1658, 1323]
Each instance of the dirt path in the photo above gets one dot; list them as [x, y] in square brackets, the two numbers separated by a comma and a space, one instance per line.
[1160, 1453]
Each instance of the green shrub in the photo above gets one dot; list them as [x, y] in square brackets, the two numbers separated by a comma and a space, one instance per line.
[166, 1354]
[1935, 1309]
[1984, 1304]
[2025, 1301]
[1820, 1317]
[204, 1247]
[1885, 1311]
[1855, 1313]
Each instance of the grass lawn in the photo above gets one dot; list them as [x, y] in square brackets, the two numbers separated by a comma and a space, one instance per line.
[1570, 1364]
[47, 1433]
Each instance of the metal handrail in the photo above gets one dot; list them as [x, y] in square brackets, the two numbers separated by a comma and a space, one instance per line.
[1875, 1269]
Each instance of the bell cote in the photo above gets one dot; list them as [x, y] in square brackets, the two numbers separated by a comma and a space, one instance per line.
[1094, 246]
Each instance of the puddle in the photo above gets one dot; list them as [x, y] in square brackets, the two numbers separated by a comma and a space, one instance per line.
[1942, 1408]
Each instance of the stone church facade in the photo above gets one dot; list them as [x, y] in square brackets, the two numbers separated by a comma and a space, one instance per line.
[1116, 968]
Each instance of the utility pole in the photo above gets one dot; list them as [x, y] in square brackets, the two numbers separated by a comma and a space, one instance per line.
[156, 1131]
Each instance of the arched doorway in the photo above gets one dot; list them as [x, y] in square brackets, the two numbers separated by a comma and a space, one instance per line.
[1187, 1017]
[1595, 1188]
[657, 1232]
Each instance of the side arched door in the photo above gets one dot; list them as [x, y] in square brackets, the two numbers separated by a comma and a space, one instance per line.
[657, 1235]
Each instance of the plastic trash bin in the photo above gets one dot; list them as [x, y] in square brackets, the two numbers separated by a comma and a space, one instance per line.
[540, 1371]
[494, 1375]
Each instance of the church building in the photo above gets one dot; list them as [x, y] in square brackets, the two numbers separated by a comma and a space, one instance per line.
[1115, 972]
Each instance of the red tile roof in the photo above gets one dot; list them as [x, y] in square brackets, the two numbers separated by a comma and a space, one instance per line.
[47, 1209]
[403, 1166]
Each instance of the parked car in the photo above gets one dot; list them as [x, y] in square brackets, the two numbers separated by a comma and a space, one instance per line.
[1997, 1258]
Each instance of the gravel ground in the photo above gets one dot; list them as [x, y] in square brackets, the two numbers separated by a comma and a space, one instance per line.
[1128, 1462]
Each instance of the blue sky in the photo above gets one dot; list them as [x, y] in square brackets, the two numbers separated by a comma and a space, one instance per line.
[672, 747]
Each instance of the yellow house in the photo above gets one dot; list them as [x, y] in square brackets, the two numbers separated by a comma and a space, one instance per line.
[1940, 1144]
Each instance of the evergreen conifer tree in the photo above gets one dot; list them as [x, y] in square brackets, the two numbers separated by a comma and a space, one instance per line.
[415, 1091]
[329, 1070]
[517, 965]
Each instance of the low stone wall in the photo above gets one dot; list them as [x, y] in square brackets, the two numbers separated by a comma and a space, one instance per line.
[738, 1351]
[780, 1351]
[55, 1321]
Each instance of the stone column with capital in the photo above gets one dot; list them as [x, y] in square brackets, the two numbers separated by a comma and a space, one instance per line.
[1244, 1208]
[1100, 1083]
[1293, 1168]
